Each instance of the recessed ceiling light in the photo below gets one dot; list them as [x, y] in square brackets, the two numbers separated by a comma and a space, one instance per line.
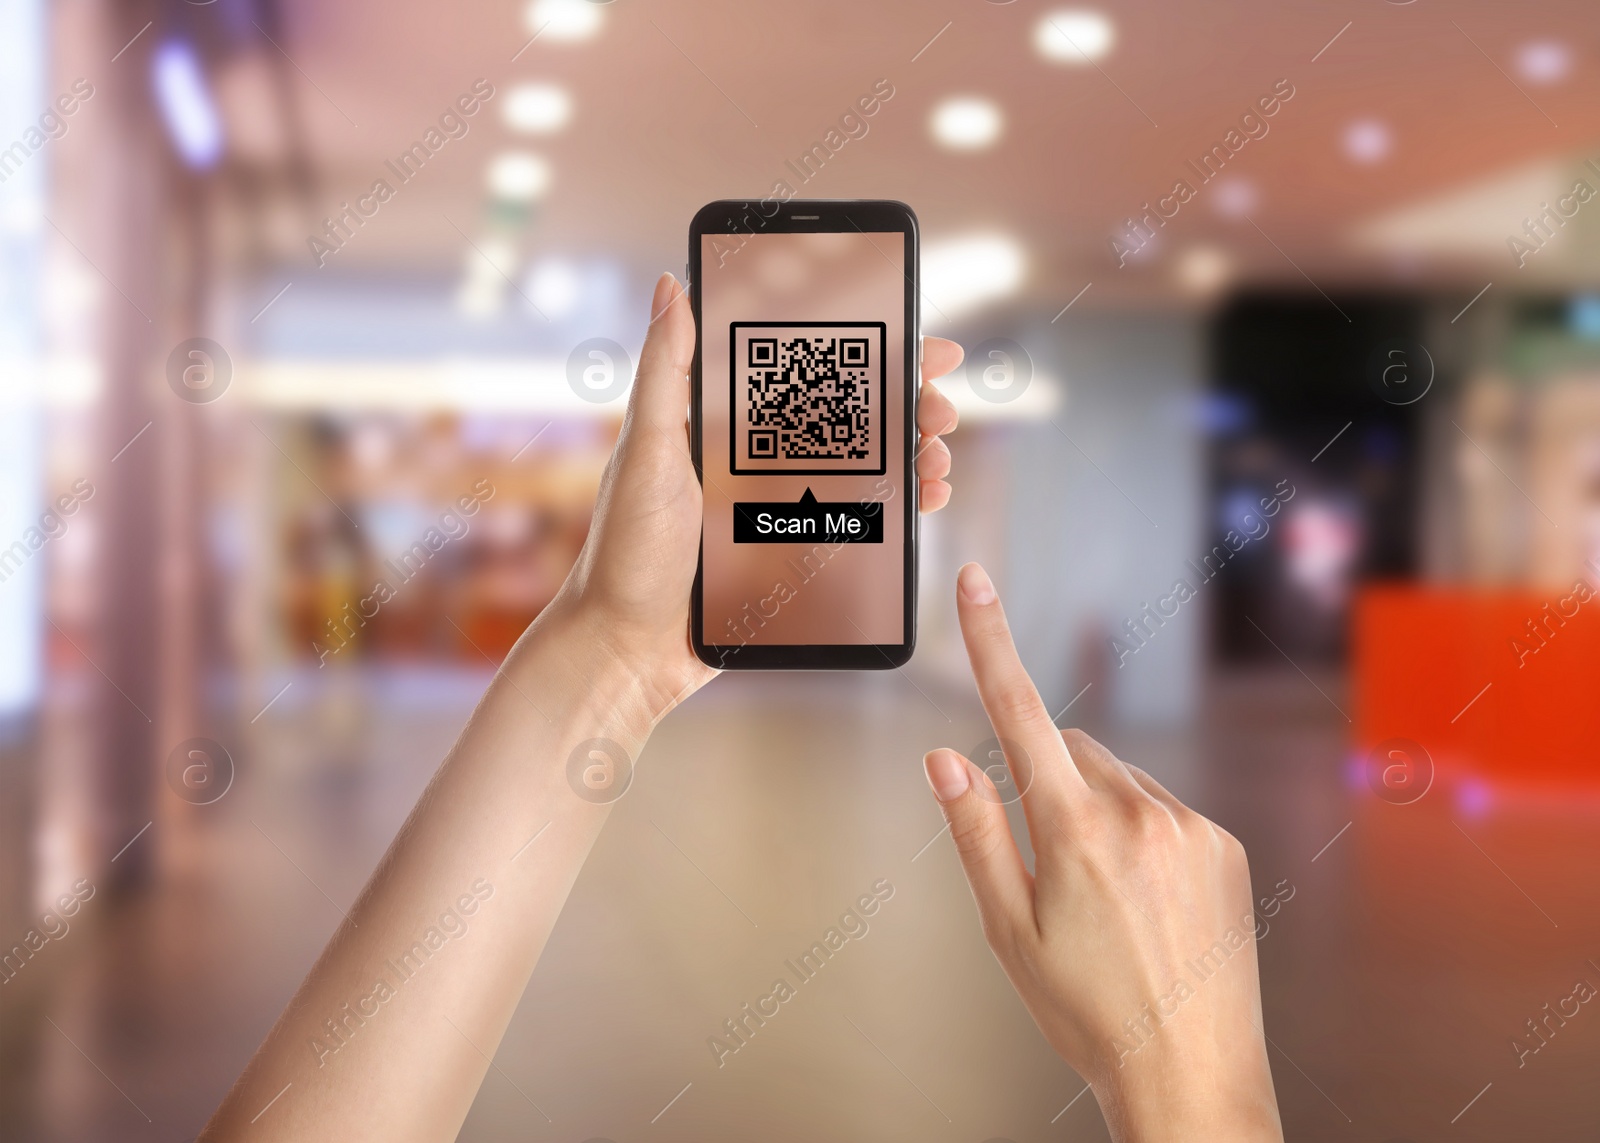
[1544, 61]
[1204, 269]
[966, 123]
[1368, 141]
[1073, 36]
[965, 273]
[537, 108]
[564, 19]
[518, 176]
[1235, 197]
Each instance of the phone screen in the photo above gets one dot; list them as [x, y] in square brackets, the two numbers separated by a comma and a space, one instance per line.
[804, 407]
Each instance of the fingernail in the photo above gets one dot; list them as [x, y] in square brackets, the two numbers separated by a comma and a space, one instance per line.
[975, 584]
[662, 295]
[947, 774]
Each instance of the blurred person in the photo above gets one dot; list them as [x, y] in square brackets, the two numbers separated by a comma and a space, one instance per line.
[1322, 541]
[607, 660]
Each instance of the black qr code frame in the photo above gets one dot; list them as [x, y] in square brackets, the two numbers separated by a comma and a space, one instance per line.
[735, 420]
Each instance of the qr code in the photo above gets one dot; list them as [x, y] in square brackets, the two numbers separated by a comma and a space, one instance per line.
[808, 398]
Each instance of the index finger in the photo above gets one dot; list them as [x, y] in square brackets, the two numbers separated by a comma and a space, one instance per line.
[1009, 697]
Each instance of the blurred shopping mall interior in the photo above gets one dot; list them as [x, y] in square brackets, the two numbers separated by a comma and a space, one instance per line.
[1298, 304]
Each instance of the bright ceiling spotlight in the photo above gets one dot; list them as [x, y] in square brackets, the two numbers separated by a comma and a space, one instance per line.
[518, 176]
[569, 20]
[1204, 269]
[537, 108]
[1544, 61]
[1074, 36]
[966, 123]
[1235, 197]
[1368, 141]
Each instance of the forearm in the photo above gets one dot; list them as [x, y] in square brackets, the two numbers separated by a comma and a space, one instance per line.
[391, 1033]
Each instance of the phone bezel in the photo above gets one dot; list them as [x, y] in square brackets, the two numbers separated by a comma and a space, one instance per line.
[740, 218]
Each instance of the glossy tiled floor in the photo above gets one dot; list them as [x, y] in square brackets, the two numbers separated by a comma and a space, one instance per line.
[1415, 947]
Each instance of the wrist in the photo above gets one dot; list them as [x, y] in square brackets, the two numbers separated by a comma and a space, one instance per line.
[1192, 1097]
[599, 686]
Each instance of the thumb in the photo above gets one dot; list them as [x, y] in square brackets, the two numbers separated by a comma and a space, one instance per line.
[1000, 882]
[660, 394]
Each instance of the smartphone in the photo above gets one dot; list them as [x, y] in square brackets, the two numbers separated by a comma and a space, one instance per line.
[803, 402]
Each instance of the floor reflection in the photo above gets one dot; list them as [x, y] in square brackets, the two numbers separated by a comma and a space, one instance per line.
[1417, 944]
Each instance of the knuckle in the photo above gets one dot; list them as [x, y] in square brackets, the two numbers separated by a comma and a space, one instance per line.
[977, 833]
[1017, 701]
[1234, 857]
[1226, 840]
[1162, 795]
[1195, 827]
[1154, 827]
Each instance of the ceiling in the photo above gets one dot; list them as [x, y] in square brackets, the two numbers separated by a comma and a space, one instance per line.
[679, 103]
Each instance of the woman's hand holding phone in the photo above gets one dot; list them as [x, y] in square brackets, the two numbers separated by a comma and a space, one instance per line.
[631, 586]
[1132, 941]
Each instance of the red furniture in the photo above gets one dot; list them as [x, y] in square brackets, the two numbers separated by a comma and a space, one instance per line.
[1420, 654]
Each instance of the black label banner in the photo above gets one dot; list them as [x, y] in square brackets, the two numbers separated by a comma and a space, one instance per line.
[808, 521]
